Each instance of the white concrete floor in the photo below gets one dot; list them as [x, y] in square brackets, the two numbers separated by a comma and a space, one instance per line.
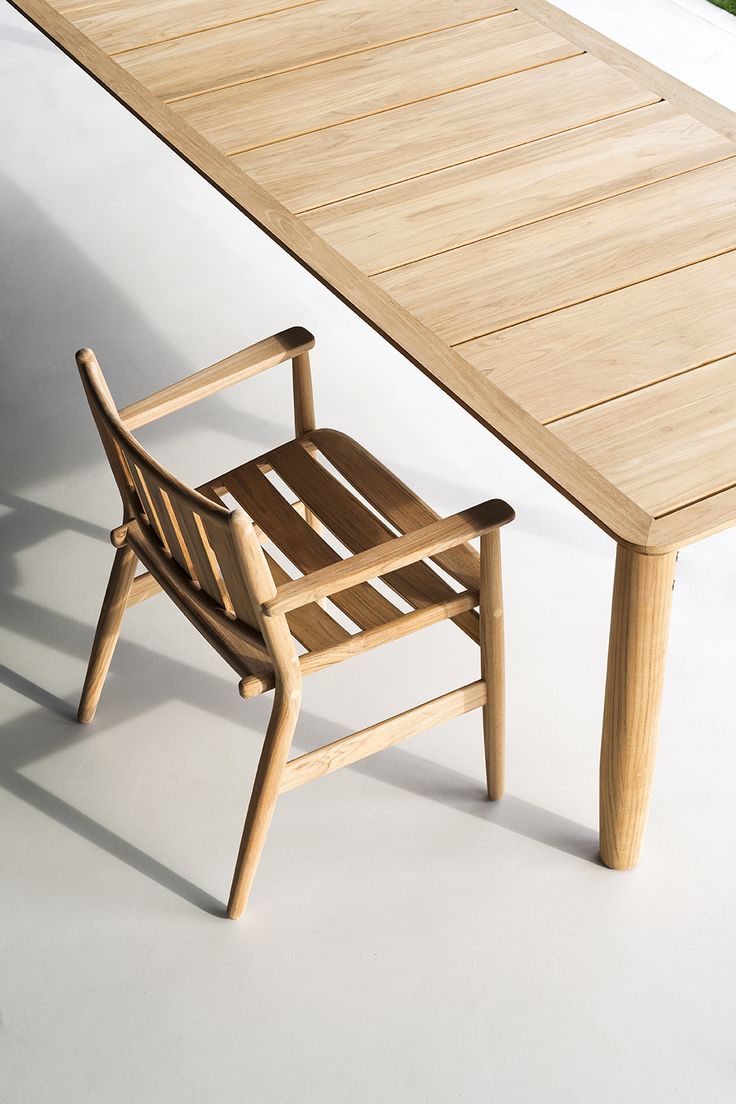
[407, 942]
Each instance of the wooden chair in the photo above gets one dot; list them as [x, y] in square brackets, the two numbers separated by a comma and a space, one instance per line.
[211, 561]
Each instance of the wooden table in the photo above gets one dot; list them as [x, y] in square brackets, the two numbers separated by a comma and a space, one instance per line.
[541, 221]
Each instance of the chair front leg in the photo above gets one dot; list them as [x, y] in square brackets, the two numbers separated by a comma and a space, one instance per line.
[492, 661]
[276, 747]
[108, 630]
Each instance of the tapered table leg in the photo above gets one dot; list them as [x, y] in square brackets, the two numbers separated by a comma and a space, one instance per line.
[642, 598]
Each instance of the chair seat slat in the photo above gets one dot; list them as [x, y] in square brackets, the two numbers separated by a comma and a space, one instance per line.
[391, 497]
[351, 521]
[358, 527]
[311, 625]
[363, 604]
[365, 641]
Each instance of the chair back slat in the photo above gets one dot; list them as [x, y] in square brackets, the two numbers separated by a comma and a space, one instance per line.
[153, 509]
[170, 525]
[194, 533]
[193, 530]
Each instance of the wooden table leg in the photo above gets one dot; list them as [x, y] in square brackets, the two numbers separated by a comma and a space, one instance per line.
[642, 598]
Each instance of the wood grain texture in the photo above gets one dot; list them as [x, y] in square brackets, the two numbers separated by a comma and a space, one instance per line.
[513, 277]
[318, 96]
[642, 599]
[558, 464]
[358, 643]
[576, 358]
[391, 556]
[219, 633]
[302, 545]
[338, 168]
[144, 587]
[359, 529]
[280, 732]
[700, 106]
[350, 749]
[233, 369]
[291, 39]
[667, 445]
[398, 503]
[418, 218]
[332, 164]
[118, 25]
[701, 519]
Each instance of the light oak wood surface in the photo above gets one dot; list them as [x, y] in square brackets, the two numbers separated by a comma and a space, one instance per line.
[640, 617]
[708, 515]
[492, 663]
[340, 753]
[356, 643]
[699, 407]
[211, 561]
[233, 369]
[598, 498]
[389, 558]
[700, 106]
[631, 197]
[287, 40]
[446, 130]
[571, 359]
[118, 25]
[577, 256]
[533, 181]
[541, 243]
[260, 112]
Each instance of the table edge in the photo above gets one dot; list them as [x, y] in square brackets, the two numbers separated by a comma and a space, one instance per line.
[554, 461]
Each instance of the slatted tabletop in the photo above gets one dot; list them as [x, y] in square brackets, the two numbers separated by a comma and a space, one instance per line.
[543, 223]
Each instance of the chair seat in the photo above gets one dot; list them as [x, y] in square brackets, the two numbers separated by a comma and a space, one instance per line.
[361, 504]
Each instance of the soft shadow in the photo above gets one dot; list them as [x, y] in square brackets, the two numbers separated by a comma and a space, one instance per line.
[71, 303]
[57, 301]
[29, 38]
[161, 679]
[31, 740]
[95, 833]
[36, 693]
[52, 726]
[422, 777]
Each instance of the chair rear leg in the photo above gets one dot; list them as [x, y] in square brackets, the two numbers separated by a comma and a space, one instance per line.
[492, 661]
[108, 630]
[263, 799]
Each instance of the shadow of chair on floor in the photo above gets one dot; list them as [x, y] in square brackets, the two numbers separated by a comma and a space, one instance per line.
[51, 727]
[70, 302]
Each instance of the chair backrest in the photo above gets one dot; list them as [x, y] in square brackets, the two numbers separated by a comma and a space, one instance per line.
[194, 547]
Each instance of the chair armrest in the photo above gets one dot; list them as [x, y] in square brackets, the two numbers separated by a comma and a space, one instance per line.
[393, 554]
[240, 366]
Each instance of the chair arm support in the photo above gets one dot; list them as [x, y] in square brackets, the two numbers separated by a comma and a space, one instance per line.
[393, 554]
[240, 366]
